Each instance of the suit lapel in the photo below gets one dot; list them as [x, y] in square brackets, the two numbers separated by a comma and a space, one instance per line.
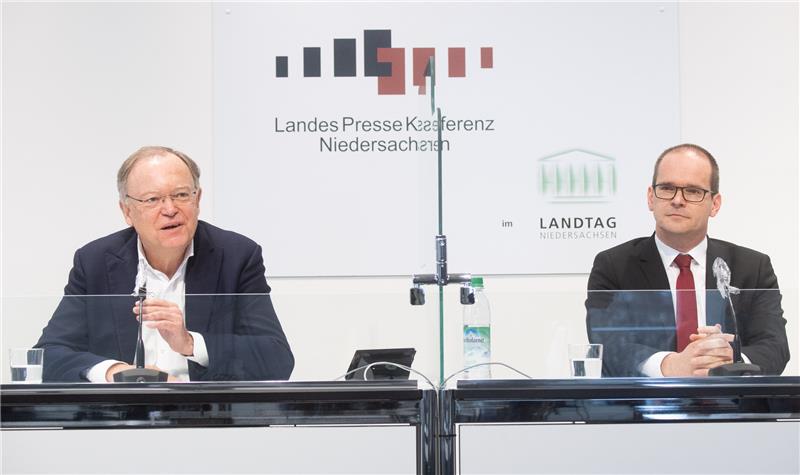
[652, 266]
[660, 310]
[122, 265]
[202, 276]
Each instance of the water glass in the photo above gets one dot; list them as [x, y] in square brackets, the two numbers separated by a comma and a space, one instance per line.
[585, 360]
[26, 365]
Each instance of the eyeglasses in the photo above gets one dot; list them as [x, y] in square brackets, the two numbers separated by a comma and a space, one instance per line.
[691, 194]
[178, 197]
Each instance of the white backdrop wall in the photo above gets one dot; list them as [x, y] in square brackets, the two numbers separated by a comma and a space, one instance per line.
[83, 85]
[564, 125]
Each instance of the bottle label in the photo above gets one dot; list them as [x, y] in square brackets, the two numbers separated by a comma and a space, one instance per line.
[477, 344]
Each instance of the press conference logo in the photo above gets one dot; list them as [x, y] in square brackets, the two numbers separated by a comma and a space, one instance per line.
[385, 62]
[577, 176]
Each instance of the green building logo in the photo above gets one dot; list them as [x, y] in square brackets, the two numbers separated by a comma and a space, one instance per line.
[577, 176]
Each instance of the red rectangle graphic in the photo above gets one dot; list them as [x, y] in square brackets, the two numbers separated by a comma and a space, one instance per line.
[456, 63]
[487, 58]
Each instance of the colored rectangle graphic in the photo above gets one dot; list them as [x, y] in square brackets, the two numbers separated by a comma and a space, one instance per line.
[311, 63]
[394, 83]
[487, 58]
[281, 66]
[374, 39]
[344, 57]
[456, 62]
[422, 58]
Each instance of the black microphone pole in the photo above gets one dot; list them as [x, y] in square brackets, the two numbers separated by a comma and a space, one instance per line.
[139, 355]
[140, 374]
[737, 343]
[738, 367]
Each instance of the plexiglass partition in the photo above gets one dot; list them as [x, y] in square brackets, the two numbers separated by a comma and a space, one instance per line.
[293, 335]
[532, 331]
[242, 337]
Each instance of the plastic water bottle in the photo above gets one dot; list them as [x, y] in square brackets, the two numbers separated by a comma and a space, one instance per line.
[478, 333]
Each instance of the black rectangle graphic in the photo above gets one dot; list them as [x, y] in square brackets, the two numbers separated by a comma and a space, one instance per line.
[374, 39]
[344, 57]
[311, 62]
[281, 66]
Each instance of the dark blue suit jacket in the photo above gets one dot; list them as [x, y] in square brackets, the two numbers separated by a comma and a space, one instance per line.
[634, 325]
[243, 336]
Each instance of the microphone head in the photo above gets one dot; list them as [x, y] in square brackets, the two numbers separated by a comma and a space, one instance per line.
[721, 269]
[723, 274]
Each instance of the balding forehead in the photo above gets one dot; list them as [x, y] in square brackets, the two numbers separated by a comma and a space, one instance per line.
[148, 153]
[160, 163]
[691, 154]
[157, 156]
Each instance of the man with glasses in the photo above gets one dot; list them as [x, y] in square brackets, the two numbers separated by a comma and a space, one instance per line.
[176, 257]
[683, 330]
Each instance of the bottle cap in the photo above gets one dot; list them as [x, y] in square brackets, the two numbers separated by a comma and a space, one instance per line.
[477, 282]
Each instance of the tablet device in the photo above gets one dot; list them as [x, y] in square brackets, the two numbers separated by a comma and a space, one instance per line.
[361, 358]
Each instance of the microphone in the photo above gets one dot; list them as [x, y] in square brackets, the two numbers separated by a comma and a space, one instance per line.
[738, 368]
[140, 374]
[723, 274]
[141, 294]
[138, 356]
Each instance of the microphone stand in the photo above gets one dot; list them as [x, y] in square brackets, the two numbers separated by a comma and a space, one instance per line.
[140, 374]
[738, 367]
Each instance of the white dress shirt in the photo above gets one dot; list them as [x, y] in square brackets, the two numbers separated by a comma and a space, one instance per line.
[652, 366]
[156, 350]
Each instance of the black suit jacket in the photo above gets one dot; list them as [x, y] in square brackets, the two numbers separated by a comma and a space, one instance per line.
[94, 320]
[632, 326]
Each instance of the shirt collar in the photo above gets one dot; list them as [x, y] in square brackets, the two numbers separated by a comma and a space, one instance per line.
[143, 264]
[669, 254]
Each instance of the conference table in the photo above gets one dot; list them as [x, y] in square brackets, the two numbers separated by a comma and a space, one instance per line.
[271, 413]
[477, 426]
[622, 425]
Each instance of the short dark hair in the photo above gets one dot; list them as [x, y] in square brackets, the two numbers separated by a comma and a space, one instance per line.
[698, 149]
[150, 151]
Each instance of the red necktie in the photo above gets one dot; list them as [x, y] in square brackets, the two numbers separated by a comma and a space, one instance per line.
[686, 313]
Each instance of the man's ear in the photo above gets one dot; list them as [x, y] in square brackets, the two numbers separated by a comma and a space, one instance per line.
[650, 198]
[126, 212]
[716, 204]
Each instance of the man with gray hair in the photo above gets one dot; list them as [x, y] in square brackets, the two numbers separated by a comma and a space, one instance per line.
[178, 257]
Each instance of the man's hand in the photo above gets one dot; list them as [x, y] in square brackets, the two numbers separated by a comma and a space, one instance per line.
[703, 332]
[118, 367]
[167, 318]
[708, 348]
